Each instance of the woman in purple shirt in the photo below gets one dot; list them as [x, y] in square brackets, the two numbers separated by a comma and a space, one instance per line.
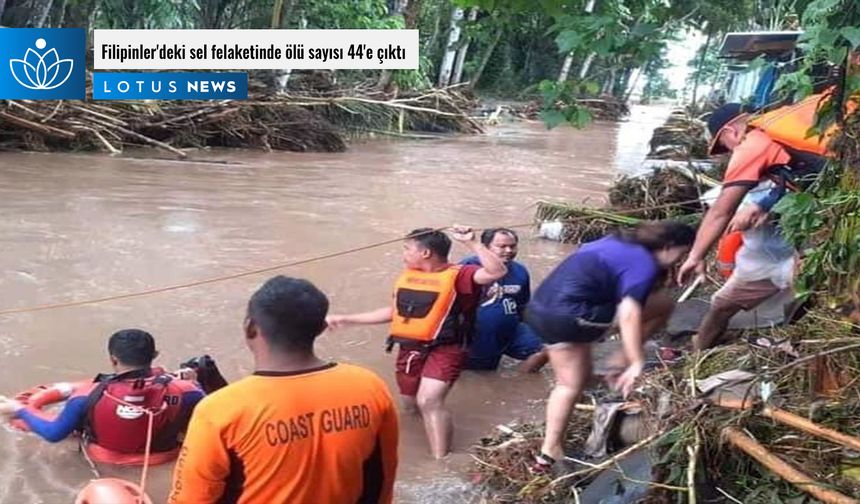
[577, 303]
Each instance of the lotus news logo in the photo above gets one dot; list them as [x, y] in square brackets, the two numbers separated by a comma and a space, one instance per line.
[42, 64]
[41, 71]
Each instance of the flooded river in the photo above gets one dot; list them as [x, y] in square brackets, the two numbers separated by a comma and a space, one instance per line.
[86, 226]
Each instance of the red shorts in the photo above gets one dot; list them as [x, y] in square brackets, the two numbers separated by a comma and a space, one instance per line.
[443, 363]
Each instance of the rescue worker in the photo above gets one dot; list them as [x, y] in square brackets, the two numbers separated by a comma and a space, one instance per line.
[499, 329]
[773, 146]
[299, 430]
[759, 266]
[110, 414]
[578, 302]
[431, 316]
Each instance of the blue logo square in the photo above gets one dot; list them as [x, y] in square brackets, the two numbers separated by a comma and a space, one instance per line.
[43, 63]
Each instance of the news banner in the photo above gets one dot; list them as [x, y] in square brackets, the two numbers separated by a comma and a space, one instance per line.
[184, 64]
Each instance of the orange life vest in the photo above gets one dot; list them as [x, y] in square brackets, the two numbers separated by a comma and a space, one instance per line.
[727, 250]
[423, 303]
[790, 125]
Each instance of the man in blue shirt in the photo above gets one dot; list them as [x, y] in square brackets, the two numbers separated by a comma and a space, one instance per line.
[499, 328]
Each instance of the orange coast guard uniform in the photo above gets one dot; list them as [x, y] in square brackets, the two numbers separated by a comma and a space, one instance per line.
[325, 435]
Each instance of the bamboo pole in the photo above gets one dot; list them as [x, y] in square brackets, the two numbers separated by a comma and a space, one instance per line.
[794, 421]
[777, 466]
[800, 423]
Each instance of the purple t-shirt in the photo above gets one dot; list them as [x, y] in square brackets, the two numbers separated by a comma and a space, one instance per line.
[599, 274]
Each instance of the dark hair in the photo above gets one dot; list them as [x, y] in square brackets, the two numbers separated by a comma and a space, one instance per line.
[655, 235]
[433, 240]
[132, 347]
[488, 235]
[290, 312]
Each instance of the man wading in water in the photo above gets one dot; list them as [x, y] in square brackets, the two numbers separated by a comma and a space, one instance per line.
[432, 314]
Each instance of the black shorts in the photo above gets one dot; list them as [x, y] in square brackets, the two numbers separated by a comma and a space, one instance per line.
[557, 328]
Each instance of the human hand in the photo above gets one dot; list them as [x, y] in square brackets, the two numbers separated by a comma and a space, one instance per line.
[9, 406]
[691, 265]
[627, 379]
[334, 322]
[462, 234]
[749, 217]
[187, 374]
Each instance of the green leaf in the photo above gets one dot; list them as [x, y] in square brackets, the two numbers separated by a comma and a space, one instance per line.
[552, 118]
[580, 117]
[591, 87]
[568, 40]
[852, 35]
[827, 37]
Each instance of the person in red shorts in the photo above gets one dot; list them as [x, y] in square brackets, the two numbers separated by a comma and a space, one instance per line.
[431, 316]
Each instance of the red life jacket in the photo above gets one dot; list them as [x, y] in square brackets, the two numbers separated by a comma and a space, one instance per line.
[118, 427]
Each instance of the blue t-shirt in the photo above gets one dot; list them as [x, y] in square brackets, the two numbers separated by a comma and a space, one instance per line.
[598, 275]
[503, 301]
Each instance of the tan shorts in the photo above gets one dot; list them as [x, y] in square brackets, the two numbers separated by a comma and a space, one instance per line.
[743, 294]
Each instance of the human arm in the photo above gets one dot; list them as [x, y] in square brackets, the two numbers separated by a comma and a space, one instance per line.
[630, 325]
[713, 225]
[203, 466]
[492, 267]
[755, 212]
[52, 430]
[378, 316]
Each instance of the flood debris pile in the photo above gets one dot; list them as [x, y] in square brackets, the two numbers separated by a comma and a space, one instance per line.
[603, 109]
[774, 417]
[682, 137]
[664, 192]
[503, 461]
[312, 122]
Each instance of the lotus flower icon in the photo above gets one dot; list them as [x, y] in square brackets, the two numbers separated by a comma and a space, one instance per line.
[41, 71]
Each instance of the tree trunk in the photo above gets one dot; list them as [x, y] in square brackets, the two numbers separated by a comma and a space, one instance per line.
[699, 67]
[609, 85]
[447, 65]
[568, 60]
[277, 14]
[60, 16]
[39, 10]
[623, 81]
[488, 52]
[638, 73]
[430, 48]
[410, 10]
[565, 68]
[461, 53]
[586, 66]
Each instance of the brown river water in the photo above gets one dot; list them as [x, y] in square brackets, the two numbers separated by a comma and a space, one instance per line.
[79, 226]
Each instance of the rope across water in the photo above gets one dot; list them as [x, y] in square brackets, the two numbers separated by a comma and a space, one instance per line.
[284, 265]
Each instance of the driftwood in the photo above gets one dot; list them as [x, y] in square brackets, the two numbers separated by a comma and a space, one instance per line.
[276, 122]
[774, 464]
[794, 421]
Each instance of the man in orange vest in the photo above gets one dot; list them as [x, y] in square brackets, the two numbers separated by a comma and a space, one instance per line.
[431, 317]
[772, 146]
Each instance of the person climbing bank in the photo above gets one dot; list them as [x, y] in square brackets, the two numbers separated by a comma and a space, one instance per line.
[775, 146]
[577, 303]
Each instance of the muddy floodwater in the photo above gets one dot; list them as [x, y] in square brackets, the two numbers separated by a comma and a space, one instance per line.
[81, 226]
